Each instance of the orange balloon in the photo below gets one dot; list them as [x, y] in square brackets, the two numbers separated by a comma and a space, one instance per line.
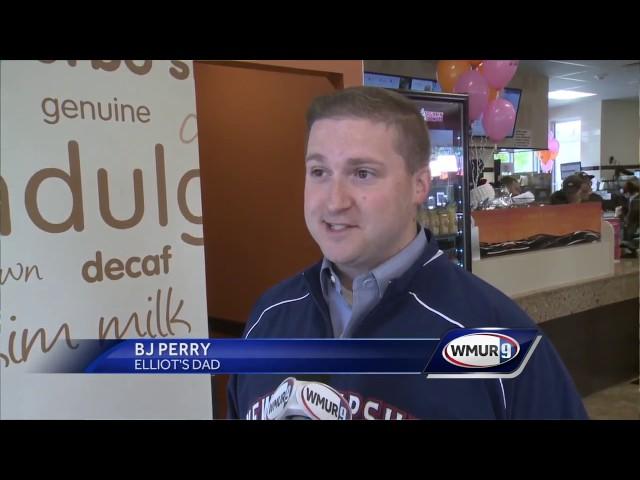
[545, 156]
[474, 63]
[493, 94]
[449, 71]
[553, 154]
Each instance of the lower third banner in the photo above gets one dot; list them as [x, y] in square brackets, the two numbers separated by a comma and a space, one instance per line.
[464, 353]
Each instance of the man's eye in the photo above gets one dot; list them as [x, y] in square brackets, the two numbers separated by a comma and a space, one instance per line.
[316, 172]
[364, 174]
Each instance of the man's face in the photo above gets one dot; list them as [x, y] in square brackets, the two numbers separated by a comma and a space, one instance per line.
[360, 199]
[515, 189]
[585, 188]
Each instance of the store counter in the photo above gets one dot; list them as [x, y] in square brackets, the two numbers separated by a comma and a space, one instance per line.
[584, 300]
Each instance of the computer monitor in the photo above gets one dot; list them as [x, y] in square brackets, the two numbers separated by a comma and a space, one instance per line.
[381, 80]
[424, 85]
[570, 168]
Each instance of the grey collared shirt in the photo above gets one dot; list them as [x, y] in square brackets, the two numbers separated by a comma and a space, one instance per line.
[368, 288]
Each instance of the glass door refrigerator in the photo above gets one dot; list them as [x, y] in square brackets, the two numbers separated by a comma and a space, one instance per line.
[446, 212]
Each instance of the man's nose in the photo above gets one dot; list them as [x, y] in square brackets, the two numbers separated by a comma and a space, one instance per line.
[339, 196]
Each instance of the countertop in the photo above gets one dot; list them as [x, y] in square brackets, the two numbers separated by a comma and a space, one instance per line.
[560, 301]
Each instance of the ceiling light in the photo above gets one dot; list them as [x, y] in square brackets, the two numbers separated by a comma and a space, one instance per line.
[568, 94]
[568, 63]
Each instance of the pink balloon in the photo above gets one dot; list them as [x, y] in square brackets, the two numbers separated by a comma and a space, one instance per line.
[554, 146]
[498, 119]
[546, 167]
[473, 83]
[499, 72]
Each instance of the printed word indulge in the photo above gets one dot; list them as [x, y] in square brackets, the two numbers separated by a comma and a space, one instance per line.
[73, 180]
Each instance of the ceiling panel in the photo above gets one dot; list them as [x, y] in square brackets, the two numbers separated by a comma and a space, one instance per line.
[609, 79]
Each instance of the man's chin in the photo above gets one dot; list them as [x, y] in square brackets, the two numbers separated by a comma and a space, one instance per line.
[340, 258]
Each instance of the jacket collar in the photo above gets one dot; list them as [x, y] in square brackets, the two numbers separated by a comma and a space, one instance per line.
[430, 253]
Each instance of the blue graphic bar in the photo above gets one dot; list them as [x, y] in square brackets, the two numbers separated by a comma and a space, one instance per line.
[461, 353]
[264, 356]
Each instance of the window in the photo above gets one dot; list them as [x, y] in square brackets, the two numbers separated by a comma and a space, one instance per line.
[523, 162]
[568, 135]
[503, 157]
[519, 161]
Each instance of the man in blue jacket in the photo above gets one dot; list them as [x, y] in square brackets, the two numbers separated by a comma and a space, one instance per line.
[383, 276]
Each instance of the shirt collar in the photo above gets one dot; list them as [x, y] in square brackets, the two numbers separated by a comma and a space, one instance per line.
[384, 273]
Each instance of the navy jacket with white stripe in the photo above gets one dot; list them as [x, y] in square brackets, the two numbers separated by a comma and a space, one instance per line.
[432, 297]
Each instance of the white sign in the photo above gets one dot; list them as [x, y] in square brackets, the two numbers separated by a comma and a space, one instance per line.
[101, 231]
[522, 138]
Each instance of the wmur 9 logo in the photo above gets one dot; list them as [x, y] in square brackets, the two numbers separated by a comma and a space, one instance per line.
[481, 350]
[488, 352]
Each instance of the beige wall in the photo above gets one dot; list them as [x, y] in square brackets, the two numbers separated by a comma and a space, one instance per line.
[620, 132]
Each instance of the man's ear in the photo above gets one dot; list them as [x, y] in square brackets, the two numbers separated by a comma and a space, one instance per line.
[422, 184]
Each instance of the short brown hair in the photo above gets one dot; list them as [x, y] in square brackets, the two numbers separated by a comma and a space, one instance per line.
[508, 180]
[383, 106]
[631, 187]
